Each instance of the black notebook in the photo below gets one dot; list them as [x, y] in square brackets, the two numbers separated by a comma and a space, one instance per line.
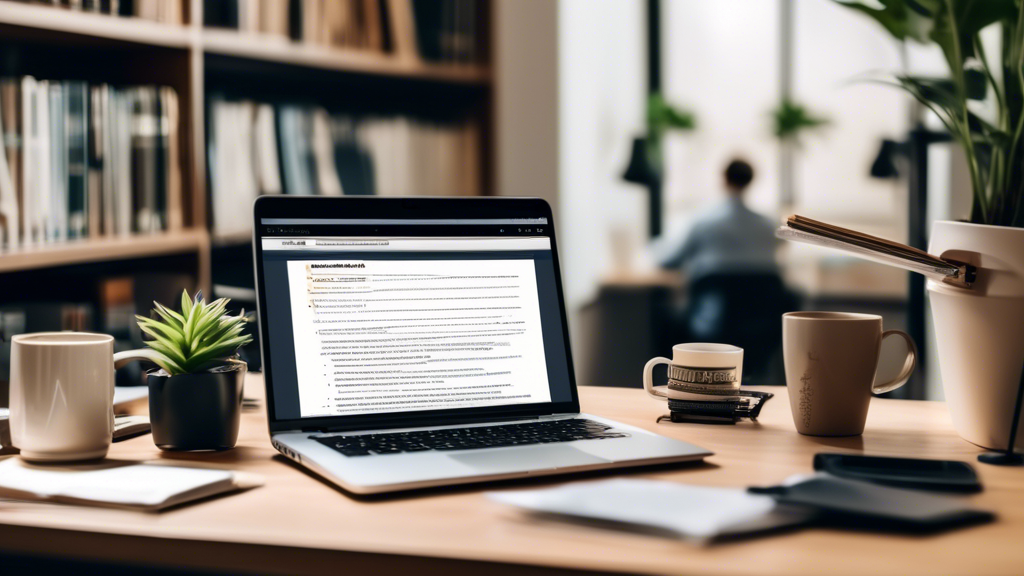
[854, 503]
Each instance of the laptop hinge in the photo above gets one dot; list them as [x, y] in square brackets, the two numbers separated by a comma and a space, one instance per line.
[562, 416]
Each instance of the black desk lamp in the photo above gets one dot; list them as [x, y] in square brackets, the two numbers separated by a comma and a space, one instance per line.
[1009, 457]
[640, 171]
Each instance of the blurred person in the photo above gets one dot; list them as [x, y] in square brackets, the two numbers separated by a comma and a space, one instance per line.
[729, 238]
[735, 293]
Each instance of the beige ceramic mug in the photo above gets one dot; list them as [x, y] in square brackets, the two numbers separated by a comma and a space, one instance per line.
[62, 394]
[831, 359]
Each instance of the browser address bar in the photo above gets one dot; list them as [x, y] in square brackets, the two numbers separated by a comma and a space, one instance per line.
[315, 242]
[425, 244]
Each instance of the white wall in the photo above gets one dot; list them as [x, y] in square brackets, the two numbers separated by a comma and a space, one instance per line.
[570, 95]
[526, 99]
[602, 94]
[720, 60]
[833, 47]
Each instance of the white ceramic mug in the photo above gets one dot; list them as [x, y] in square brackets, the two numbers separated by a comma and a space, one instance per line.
[62, 395]
[699, 371]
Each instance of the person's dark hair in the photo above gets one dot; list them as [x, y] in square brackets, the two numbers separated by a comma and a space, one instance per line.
[738, 174]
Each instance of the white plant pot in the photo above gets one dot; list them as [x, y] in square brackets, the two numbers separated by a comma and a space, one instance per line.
[980, 331]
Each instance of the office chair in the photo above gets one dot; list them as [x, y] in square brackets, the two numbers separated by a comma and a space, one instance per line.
[745, 310]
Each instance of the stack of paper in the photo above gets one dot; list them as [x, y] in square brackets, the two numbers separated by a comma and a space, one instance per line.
[696, 513]
[118, 484]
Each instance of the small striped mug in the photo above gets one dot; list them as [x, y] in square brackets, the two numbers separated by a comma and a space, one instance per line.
[700, 371]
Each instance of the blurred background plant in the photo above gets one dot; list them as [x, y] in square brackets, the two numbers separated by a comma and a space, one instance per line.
[662, 117]
[790, 119]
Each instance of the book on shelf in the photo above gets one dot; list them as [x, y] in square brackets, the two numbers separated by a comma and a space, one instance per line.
[256, 148]
[164, 11]
[75, 163]
[220, 13]
[442, 31]
[446, 29]
[10, 160]
[148, 149]
[87, 161]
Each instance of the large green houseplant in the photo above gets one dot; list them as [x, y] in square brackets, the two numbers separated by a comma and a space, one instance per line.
[993, 145]
[979, 331]
[195, 396]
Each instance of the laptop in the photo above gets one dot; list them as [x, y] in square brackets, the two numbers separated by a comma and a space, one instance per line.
[418, 342]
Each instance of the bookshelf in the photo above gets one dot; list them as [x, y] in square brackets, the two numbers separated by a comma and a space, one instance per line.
[265, 48]
[59, 43]
[60, 25]
[103, 250]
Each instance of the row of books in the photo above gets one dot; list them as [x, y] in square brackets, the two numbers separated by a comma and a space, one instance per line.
[166, 11]
[87, 161]
[341, 23]
[257, 148]
[440, 30]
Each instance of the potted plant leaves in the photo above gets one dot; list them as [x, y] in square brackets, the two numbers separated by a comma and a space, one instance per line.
[195, 396]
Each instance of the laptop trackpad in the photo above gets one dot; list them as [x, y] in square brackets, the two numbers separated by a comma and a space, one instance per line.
[537, 457]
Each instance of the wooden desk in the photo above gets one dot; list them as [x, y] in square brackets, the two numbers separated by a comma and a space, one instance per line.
[297, 524]
[647, 278]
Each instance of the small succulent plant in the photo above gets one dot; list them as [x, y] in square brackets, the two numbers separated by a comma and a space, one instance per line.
[198, 338]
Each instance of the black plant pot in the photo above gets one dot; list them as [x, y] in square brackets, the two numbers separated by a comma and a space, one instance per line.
[196, 411]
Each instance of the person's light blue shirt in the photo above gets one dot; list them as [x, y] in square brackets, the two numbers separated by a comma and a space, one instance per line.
[730, 238]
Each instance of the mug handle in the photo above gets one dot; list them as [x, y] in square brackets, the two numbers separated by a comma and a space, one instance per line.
[908, 364]
[122, 358]
[649, 380]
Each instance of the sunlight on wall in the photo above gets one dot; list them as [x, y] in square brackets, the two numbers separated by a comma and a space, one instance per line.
[602, 85]
[722, 61]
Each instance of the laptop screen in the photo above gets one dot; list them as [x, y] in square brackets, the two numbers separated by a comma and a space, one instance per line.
[369, 317]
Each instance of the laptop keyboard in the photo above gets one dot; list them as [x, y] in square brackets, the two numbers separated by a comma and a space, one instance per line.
[545, 432]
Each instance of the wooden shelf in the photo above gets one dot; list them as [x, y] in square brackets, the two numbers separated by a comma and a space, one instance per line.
[38, 18]
[283, 51]
[106, 249]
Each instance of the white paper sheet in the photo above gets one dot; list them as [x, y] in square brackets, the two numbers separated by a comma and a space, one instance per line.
[696, 513]
[116, 483]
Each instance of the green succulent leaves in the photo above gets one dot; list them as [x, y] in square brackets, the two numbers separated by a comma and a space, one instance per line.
[198, 338]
